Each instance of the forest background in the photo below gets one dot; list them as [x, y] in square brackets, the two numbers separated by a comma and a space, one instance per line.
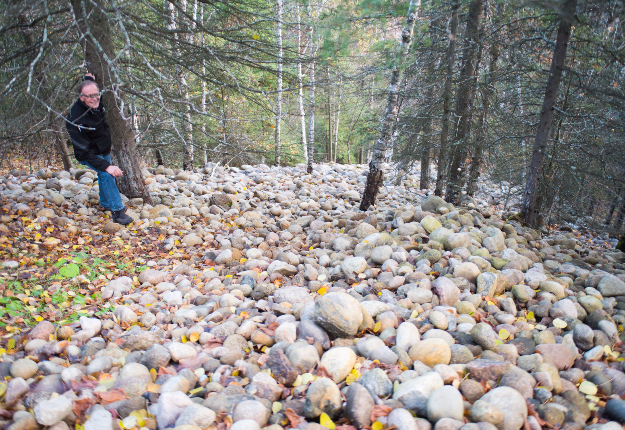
[529, 93]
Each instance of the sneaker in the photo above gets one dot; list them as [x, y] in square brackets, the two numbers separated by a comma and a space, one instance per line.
[120, 217]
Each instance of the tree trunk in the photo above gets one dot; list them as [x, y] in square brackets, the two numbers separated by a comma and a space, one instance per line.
[99, 50]
[61, 144]
[159, 157]
[204, 90]
[608, 218]
[476, 163]
[311, 125]
[279, 86]
[329, 105]
[546, 114]
[466, 90]
[375, 177]
[337, 119]
[451, 59]
[620, 216]
[300, 90]
[188, 149]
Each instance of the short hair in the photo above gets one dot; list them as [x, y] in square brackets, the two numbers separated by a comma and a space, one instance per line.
[85, 83]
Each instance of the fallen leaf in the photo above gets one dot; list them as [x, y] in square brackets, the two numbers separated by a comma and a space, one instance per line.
[380, 411]
[114, 395]
[293, 417]
[326, 421]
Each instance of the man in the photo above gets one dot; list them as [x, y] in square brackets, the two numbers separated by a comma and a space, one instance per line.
[91, 139]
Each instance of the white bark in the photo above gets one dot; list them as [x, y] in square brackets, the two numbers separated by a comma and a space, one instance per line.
[279, 85]
[376, 172]
[204, 89]
[300, 91]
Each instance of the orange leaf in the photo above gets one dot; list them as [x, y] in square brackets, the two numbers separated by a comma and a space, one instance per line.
[112, 396]
[380, 411]
[81, 406]
[293, 417]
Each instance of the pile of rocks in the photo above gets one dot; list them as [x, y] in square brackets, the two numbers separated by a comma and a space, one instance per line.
[295, 309]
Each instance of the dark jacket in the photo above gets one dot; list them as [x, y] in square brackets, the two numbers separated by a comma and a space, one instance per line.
[90, 134]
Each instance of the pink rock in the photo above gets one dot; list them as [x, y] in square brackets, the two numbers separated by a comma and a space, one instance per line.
[562, 356]
[448, 293]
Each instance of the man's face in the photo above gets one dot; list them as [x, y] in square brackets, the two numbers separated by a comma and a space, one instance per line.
[90, 96]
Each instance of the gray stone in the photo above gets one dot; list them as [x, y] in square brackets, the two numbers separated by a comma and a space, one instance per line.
[339, 362]
[359, 405]
[99, 419]
[483, 335]
[196, 415]
[50, 412]
[338, 313]
[251, 410]
[445, 402]
[610, 286]
[511, 404]
[24, 368]
[377, 382]
[323, 395]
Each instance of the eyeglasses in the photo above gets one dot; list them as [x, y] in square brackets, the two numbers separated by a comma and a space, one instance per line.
[91, 96]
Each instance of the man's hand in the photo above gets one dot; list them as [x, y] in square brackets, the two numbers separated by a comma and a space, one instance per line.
[90, 75]
[114, 171]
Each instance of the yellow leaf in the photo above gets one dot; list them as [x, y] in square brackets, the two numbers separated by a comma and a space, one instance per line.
[153, 374]
[559, 323]
[298, 381]
[350, 378]
[588, 387]
[276, 407]
[196, 390]
[326, 421]
[491, 303]
[414, 314]
[2, 351]
[310, 249]
[39, 318]
[377, 425]
[530, 315]
[38, 236]
[235, 373]
[183, 339]
[255, 37]
[194, 337]
[321, 291]
[504, 334]
[607, 350]
[11, 343]
[243, 260]
[306, 378]
[377, 327]
[153, 388]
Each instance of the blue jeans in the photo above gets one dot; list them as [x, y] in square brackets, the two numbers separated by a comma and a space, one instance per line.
[109, 194]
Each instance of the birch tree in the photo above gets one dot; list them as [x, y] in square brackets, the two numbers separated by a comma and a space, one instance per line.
[278, 85]
[375, 177]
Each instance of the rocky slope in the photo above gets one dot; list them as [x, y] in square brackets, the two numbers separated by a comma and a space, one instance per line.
[264, 298]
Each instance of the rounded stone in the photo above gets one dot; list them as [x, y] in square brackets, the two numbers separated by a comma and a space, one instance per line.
[445, 402]
[431, 352]
[323, 395]
[251, 410]
[339, 362]
[511, 403]
[24, 368]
